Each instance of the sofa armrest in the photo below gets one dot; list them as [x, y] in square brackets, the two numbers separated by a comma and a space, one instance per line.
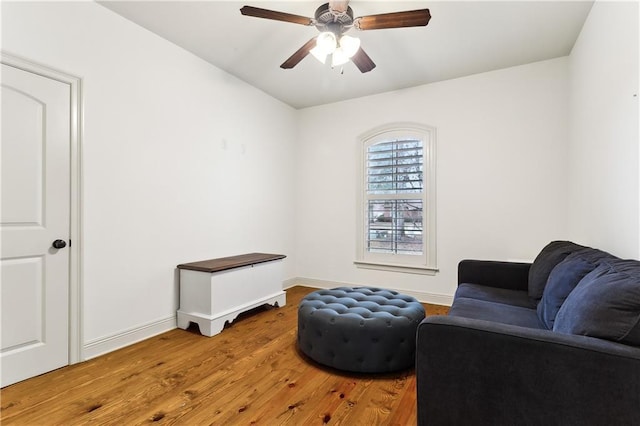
[509, 275]
[484, 373]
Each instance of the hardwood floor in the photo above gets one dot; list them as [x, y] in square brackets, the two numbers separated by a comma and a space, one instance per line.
[251, 373]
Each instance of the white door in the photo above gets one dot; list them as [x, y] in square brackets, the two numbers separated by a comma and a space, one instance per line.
[35, 212]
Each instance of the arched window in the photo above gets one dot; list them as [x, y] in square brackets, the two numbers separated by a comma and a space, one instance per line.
[396, 208]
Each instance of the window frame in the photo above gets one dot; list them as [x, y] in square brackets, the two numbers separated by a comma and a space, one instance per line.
[418, 264]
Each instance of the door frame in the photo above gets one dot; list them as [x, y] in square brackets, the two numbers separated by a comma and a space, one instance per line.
[75, 235]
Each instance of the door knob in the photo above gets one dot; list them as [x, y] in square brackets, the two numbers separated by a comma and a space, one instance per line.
[59, 244]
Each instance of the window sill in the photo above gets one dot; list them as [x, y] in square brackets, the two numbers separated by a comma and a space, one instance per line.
[391, 267]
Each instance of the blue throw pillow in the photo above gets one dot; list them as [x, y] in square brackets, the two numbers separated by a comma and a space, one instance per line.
[552, 254]
[562, 280]
[604, 304]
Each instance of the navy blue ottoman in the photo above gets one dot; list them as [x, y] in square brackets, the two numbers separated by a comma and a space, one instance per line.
[359, 329]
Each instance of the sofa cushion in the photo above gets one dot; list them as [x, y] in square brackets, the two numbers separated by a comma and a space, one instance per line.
[562, 280]
[552, 254]
[496, 312]
[631, 267]
[497, 295]
[604, 304]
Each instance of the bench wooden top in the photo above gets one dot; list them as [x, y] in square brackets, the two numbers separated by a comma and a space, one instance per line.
[224, 263]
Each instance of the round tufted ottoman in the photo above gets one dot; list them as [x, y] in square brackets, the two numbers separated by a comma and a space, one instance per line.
[359, 329]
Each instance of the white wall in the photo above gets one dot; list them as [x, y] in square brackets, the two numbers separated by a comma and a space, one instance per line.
[182, 162]
[501, 172]
[603, 159]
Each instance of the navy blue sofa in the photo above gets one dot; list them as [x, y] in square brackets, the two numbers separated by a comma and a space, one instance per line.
[555, 342]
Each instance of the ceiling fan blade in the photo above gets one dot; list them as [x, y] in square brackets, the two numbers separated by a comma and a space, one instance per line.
[363, 61]
[299, 55]
[410, 18]
[276, 16]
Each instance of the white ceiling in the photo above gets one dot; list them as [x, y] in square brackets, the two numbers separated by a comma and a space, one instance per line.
[462, 38]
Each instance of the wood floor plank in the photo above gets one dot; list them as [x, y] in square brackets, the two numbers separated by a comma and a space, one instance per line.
[251, 373]
[333, 397]
[405, 412]
[375, 407]
[276, 402]
[83, 384]
[250, 377]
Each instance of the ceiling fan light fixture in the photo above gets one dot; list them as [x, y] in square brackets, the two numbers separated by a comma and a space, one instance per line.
[326, 42]
[349, 45]
[319, 55]
[339, 57]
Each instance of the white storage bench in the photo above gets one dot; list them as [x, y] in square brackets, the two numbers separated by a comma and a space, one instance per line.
[215, 291]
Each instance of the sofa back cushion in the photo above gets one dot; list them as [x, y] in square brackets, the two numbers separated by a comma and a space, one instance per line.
[554, 253]
[562, 280]
[604, 304]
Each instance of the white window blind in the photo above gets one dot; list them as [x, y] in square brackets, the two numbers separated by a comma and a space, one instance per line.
[397, 207]
[394, 222]
[395, 167]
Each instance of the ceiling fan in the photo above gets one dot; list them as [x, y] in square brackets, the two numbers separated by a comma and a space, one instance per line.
[333, 19]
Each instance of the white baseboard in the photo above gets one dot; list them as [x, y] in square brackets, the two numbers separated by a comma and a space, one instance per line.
[434, 298]
[103, 345]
